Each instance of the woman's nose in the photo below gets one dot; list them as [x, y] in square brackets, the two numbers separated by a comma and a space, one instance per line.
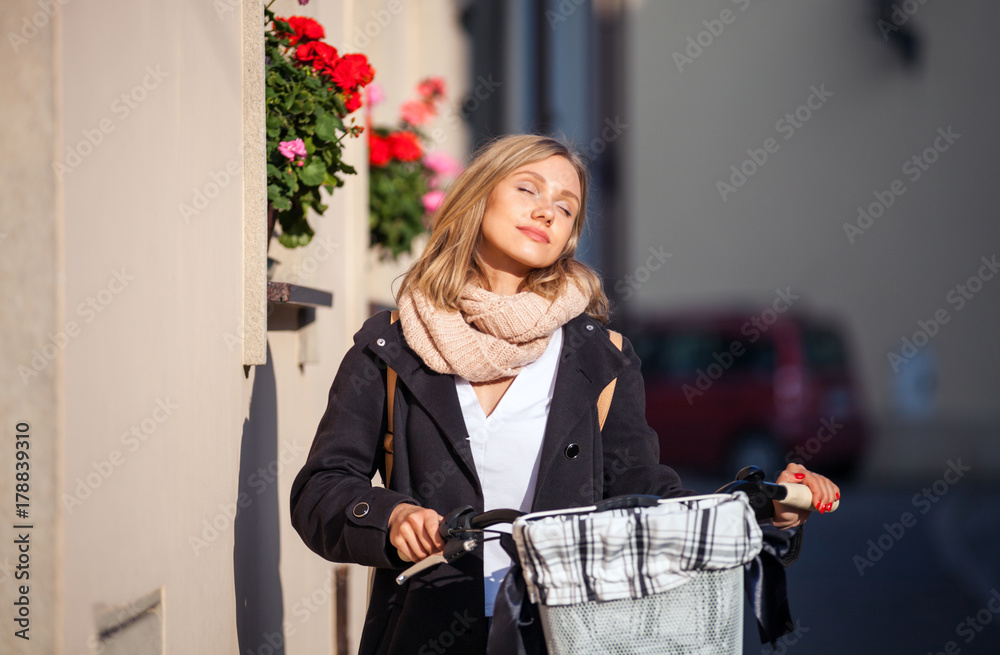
[544, 211]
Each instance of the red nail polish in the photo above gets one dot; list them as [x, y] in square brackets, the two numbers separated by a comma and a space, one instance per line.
[838, 496]
[800, 476]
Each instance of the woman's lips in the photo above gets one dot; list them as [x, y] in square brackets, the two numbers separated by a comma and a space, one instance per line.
[535, 234]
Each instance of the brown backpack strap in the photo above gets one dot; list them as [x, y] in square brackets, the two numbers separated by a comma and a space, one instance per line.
[604, 400]
[390, 384]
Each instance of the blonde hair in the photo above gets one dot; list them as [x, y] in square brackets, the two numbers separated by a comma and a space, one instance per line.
[451, 259]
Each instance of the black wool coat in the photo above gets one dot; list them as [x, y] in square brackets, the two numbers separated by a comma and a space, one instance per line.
[342, 517]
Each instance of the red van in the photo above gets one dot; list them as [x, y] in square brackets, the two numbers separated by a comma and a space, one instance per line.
[728, 388]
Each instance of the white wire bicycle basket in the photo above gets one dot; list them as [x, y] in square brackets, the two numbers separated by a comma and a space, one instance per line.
[666, 579]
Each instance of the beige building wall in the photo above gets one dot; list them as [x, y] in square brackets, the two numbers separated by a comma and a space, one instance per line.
[32, 290]
[148, 430]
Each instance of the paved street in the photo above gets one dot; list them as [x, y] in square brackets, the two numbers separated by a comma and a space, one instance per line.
[924, 581]
[927, 584]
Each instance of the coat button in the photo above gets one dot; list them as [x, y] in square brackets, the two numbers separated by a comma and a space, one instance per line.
[572, 451]
[361, 509]
[380, 342]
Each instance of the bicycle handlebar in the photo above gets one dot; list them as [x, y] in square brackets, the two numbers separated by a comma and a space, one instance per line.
[750, 480]
[800, 497]
[462, 529]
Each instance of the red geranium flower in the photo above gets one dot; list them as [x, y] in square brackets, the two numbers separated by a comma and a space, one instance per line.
[352, 102]
[431, 88]
[405, 146]
[379, 152]
[304, 29]
[352, 71]
[319, 54]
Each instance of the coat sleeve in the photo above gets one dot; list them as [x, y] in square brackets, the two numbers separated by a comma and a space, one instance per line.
[334, 507]
[632, 448]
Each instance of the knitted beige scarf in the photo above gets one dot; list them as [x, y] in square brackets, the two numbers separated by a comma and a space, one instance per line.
[493, 336]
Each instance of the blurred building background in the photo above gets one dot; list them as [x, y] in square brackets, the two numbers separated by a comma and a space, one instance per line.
[738, 136]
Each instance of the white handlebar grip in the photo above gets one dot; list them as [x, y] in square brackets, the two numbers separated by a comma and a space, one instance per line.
[800, 497]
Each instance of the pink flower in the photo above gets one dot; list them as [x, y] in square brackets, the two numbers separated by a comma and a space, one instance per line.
[415, 112]
[432, 201]
[303, 2]
[292, 149]
[375, 94]
[443, 164]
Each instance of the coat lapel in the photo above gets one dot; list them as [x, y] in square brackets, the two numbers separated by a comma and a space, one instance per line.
[588, 362]
[434, 391]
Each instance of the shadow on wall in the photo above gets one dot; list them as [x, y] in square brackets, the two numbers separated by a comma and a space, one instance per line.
[256, 551]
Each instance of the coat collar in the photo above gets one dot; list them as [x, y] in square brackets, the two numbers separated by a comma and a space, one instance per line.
[587, 363]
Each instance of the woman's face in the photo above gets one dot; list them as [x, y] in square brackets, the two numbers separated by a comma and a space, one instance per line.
[529, 217]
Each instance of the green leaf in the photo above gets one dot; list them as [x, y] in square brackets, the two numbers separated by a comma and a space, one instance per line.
[273, 126]
[312, 173]
[281, 203]
[327, 126]
[290, 100]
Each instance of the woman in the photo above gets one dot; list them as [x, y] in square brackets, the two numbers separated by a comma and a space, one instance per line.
[501, 353]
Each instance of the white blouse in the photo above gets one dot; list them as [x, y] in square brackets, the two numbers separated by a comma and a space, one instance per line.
[506, 446]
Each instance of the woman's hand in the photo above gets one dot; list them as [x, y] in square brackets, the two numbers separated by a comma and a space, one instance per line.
[413, 530]
[824, 493]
